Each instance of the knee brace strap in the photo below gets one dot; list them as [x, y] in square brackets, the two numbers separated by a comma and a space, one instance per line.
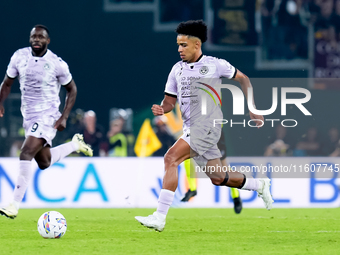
[244, 181]
[226, 178]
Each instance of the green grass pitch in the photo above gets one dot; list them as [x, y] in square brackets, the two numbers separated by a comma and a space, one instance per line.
[188, 231]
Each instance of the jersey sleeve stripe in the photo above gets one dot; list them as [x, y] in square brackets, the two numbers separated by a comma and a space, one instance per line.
[68, 81]
[10, 76]
[234, 74]
[171, 95]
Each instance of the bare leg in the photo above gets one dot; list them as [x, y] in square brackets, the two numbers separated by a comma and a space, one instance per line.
[31, 147]
[43, 157]
[179, 152]
[217, 176]
[235, 194]
[48, 156]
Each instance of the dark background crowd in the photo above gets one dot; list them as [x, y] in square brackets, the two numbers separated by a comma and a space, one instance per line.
[285, 25]
[119, 81]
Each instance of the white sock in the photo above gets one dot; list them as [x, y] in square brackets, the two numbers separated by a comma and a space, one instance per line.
[252, 184]
[25, 174]
[61, 151]
[164, 201]
[16, 204]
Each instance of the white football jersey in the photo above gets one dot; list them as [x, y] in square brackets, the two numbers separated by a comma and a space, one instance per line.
[40, 79]
[194, 84]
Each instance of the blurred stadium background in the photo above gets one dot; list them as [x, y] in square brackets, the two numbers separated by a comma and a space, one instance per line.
[121, 51]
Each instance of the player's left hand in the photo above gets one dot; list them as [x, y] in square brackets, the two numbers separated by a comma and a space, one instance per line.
[60, 124]
[258, 119]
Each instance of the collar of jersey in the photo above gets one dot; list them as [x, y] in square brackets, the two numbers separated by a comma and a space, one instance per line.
[36, 56]
[197, 61]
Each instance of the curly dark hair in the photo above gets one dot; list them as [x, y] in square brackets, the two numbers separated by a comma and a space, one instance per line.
[195, 28]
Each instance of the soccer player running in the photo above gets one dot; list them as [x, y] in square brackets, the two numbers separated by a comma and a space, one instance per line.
[200, 136]
[189, 166]
[41, 73]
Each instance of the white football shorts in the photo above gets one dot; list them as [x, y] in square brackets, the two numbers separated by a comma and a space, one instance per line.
[41, 128]
[204, 142]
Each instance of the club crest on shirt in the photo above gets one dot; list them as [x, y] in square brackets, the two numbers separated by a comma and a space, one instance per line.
[204, 70]
[46, 66]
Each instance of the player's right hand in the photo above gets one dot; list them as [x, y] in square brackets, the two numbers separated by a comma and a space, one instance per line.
[60, 124]
[157, 110]
[2, 110]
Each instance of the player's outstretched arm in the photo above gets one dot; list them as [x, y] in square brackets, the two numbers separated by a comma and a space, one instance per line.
[5, 89]
[245, 84]
[167, 105]
[71, 95]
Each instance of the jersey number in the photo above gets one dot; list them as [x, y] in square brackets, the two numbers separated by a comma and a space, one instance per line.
[34, 127]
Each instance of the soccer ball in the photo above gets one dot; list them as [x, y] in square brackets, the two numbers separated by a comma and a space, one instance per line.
[52, 224]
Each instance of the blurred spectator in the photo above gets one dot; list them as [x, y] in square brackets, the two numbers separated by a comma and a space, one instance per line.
[280, 146]
[309, 144]
[314, 9]
[284, 25]
[336, 19]
[324, 26]
[336, 152]
[118, 143]
[163, 135]
[75, 125]
[268, 11]
[331, 143]
[291, 32]
[76, 120]
[17, 143]
[93, 133]
[16, 148]
[127, 129]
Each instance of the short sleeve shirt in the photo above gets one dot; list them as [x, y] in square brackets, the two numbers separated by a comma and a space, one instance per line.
[194, 85]
[40, 80]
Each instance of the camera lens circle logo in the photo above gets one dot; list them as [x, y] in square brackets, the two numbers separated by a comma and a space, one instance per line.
[204, 70]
